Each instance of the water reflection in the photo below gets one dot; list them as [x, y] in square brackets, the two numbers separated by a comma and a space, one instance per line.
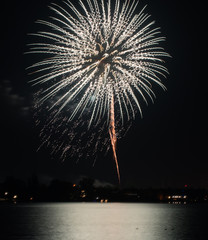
[107, 221]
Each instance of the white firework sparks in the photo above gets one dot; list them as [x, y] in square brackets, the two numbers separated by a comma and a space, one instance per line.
[99, 57]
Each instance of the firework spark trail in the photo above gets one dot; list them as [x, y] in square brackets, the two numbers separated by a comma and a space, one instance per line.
[101, 59]
[113, 137]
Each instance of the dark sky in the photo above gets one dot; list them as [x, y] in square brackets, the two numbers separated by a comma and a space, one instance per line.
[165, 148]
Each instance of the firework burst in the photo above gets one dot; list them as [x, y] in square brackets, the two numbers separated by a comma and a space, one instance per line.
[99, 58]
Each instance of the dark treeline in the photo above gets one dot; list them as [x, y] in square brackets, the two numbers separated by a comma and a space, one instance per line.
[14, 190]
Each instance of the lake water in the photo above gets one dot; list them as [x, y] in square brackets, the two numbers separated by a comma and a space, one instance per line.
[103, 221]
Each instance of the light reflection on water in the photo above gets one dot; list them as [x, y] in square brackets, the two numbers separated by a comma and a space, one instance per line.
[107, 221]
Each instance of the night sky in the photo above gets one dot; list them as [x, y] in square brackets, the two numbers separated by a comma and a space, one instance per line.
[167, 148]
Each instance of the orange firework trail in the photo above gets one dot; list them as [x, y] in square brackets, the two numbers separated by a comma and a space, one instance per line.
[112, 133]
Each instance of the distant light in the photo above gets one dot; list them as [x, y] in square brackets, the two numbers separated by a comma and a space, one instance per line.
[6, 193]
[101, 200]
[15, 196]
[106, 200]
[74, 185]
[177, 196]
[83, 194]
[174, 197]
[186, 185]
[31, 198]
